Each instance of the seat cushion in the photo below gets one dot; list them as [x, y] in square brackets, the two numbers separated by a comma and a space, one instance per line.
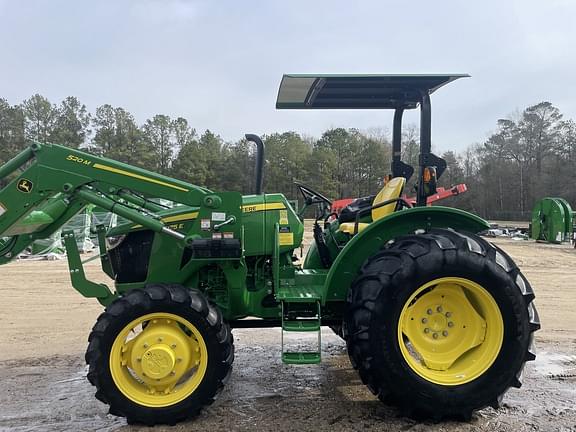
[348, 227]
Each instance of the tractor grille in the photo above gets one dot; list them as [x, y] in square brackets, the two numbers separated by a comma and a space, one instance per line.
[130, 259]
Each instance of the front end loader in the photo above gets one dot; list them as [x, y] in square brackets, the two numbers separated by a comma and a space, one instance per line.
[437, 321]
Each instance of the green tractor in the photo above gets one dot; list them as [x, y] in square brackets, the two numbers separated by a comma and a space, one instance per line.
[437, 320]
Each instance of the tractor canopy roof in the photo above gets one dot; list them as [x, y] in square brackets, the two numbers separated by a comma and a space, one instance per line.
[304, 91]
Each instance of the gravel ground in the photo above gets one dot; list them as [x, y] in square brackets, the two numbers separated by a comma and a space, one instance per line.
[44, 325]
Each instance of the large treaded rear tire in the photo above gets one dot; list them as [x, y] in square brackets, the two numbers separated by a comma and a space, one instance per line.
[384, 285]
[188, 304]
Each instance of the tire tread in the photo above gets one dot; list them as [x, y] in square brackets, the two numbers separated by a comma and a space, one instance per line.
[402, 259]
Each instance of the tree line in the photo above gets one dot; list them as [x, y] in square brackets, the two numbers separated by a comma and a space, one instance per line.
[529, 156]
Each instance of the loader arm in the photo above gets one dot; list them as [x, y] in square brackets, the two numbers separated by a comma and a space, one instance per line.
[49, 184]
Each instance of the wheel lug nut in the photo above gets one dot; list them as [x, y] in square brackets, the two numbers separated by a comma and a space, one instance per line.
[424, 320]
[448, 314]
[160, 339]
[173, 346]
[145, 345]
[439, 308]
[139, 359]
[435, 335]
[429, 311]
[450, 324]
[173, 373]
[426, 330]
[179, 360]
[444, 333]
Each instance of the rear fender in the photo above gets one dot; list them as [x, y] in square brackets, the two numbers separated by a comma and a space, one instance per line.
[366, 243]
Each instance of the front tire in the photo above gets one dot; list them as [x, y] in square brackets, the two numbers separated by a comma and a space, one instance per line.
[440, 324]
[158, 355]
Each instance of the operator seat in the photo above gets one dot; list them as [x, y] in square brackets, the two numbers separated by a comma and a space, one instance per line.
[391, 190]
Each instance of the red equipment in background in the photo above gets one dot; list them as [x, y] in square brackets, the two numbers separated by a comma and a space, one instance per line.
[441, 193]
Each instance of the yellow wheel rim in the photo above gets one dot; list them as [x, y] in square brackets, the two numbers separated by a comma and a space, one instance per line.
[158, 360]
[450, 331]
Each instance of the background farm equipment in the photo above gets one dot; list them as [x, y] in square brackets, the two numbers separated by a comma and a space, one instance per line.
[436, 320]
[552, 221]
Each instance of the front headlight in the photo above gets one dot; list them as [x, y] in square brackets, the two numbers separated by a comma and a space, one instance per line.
[114, 241]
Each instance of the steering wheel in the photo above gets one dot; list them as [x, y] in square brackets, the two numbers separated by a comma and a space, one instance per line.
[312, 197]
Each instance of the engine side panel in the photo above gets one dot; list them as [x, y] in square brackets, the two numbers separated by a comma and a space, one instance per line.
[261, 213]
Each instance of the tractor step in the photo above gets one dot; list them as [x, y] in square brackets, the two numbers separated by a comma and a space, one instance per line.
[300, 294]
[298, 319]
[301, 357]
[301, 325]
[300, 299]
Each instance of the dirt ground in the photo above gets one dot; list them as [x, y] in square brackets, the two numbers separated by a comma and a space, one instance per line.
[44, 324]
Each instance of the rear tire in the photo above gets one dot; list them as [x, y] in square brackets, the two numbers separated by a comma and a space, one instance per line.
[178, 361]
[415, 373]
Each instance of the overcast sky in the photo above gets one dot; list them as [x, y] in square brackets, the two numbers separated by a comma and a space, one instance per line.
[219, 63]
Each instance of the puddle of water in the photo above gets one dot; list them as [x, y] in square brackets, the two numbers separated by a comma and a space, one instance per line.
[553, 364]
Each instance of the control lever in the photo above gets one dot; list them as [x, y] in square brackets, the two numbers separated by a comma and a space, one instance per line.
[230, 220]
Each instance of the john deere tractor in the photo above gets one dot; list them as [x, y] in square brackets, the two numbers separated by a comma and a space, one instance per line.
[437, 320]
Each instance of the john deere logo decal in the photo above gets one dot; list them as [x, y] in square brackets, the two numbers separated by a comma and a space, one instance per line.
[25, 185]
